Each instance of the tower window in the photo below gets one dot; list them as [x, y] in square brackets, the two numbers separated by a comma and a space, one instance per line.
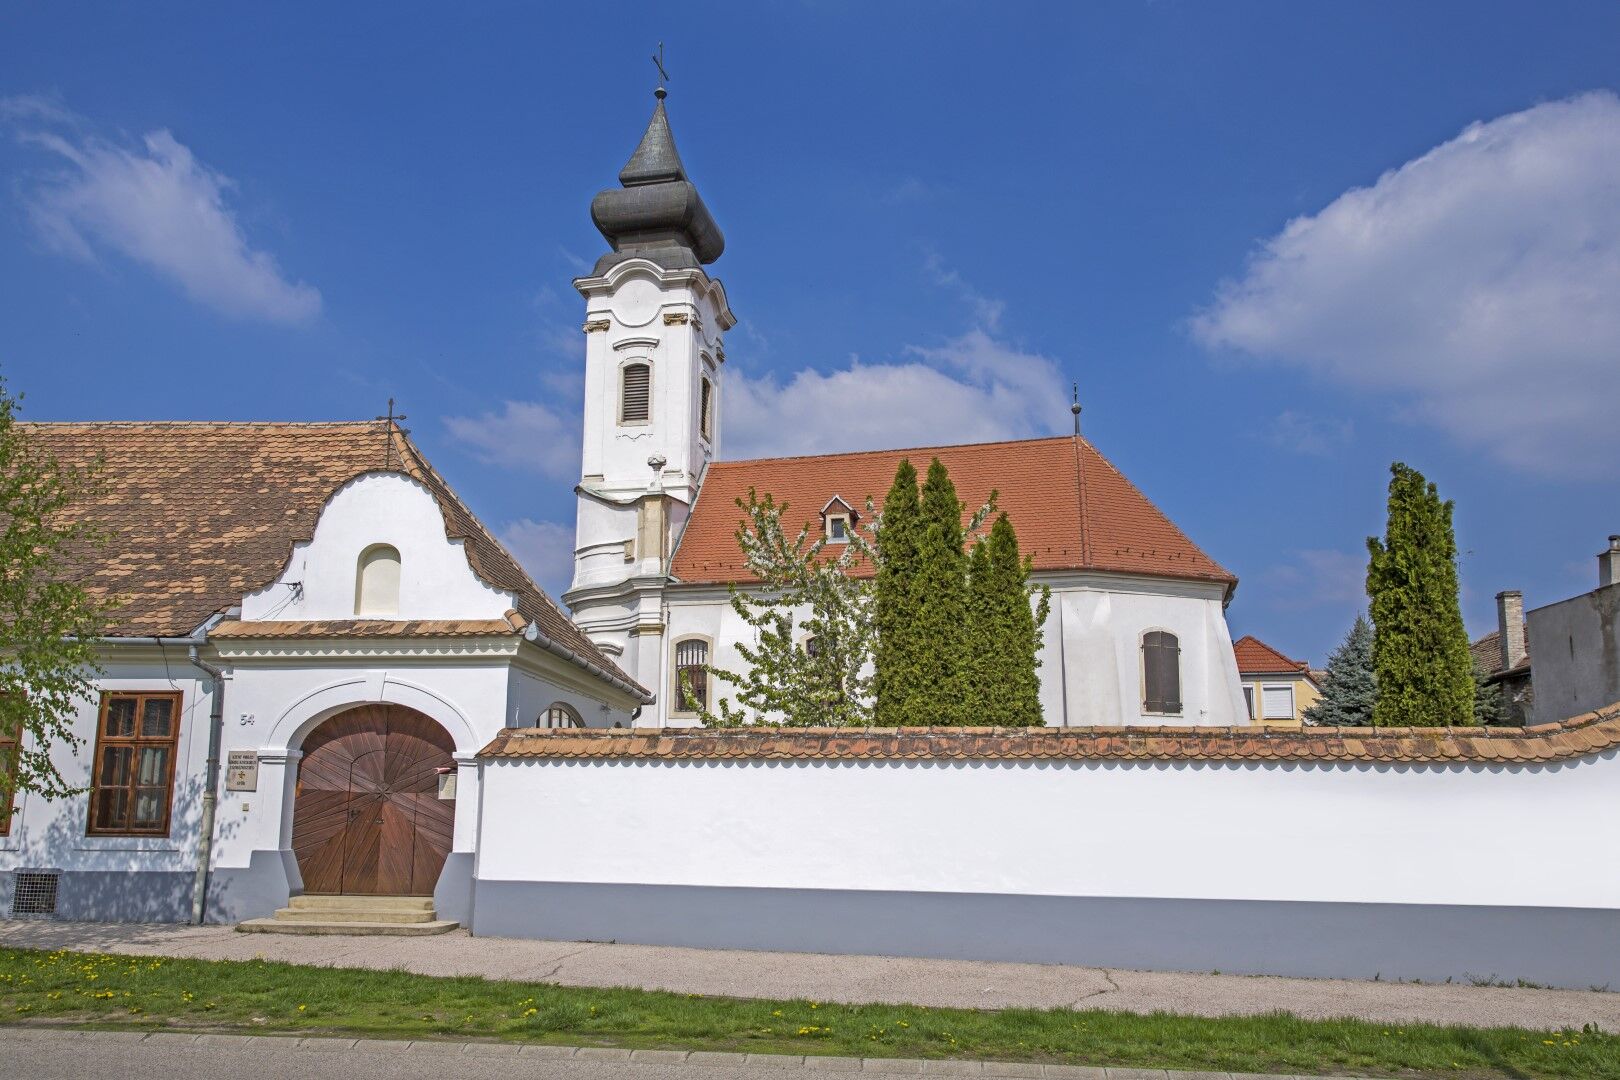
[635, 402]
[376, 585]
[1161, 673]
[706, 410]
[691, 676]
[559, 715]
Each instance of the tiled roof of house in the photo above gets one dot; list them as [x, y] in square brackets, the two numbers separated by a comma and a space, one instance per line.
[1580, 736]
[1072, 508]
[1487, 651]
[1255, 657]
[200, 514]
[269, 629]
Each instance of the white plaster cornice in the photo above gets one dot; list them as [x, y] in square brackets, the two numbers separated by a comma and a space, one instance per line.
[423, 649]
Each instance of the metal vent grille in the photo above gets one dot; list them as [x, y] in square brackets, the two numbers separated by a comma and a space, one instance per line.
[34, 892]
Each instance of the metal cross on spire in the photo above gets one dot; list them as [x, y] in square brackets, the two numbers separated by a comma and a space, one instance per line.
[393, 419]
[663, 76]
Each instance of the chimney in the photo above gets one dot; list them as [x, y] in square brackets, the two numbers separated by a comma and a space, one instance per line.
[1510, 627]
[1609, 564]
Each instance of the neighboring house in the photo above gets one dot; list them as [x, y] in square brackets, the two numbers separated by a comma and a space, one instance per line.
[1578, 666]
[1276, 688]
[1137, 633]
[372, 635]
[1503, 656]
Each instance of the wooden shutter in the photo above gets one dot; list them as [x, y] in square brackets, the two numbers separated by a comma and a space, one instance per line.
[1161, 672]
[637, 401]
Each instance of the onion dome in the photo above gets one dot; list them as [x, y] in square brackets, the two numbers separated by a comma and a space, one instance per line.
[657, 213]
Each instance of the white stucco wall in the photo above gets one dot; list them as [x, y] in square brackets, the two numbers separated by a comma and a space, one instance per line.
[1575, 658]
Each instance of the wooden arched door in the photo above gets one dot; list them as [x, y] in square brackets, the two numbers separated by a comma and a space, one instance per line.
[367, 816]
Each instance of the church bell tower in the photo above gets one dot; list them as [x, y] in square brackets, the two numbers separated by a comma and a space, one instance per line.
[654, 350]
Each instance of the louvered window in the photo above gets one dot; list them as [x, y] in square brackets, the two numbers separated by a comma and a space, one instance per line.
[706, 410]
[1161, 672]
[691, 676]
[636, 402]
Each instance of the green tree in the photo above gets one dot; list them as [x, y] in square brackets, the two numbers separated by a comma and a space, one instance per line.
[1004, 633]
[1349, 688]
[809, 662]
[1489, 705]
[940, 591]
[900, 656]
[48, 620]
[1420, 649]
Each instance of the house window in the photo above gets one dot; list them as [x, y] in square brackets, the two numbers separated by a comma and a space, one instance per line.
[1277, 701]
[706, 410]
[691, 676]
[838, 529]
[9, 747]
[635, 398]
[1161, 673]
[559, 716]
[812, 647]
[376, 583]
[838, 517]
[132, 781]
[1248, 699]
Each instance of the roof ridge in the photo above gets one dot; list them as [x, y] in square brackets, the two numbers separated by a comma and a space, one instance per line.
[198, 423]
[894, 450]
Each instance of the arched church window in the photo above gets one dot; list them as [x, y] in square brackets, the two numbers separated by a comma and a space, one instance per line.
[376, 586]
[559, 715]
[691, 675]
[706, 410]
[635, 399]
[1161, 673]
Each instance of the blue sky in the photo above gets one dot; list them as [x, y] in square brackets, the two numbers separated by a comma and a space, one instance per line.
[1278, 245]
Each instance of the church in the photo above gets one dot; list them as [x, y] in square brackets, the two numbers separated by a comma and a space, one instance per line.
[317, 640]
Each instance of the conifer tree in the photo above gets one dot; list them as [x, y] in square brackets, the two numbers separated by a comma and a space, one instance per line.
[1420, 649]
[1004, 633]
[1490, 707]
[1348, 689]
[900, 657]
[939, 592]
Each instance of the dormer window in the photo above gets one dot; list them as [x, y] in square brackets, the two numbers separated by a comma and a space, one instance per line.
[838, 518]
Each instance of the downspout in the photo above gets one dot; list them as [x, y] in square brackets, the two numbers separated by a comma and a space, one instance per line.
[210, 799]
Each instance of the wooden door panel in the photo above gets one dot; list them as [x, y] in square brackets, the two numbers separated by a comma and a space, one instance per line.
[367, 818]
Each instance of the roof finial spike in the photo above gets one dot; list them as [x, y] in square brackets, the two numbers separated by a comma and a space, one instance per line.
[1075, 409]
[663, 76]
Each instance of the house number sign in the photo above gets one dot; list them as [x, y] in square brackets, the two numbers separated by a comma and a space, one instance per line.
[241, 770]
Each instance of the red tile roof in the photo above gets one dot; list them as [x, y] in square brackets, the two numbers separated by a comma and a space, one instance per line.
[1072, 508]
[200, 514]
[1580, 736]
[1255, 657]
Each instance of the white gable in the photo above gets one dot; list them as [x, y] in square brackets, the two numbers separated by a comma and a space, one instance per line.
[321, 579]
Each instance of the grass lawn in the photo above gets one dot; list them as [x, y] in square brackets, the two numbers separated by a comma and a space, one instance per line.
[256, 996]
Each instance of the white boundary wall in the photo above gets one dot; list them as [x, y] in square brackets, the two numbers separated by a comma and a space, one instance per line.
[1404, 871]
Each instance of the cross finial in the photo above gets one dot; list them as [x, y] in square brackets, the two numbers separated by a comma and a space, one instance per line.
[393, 419]
[663, 76]
[1075, 409]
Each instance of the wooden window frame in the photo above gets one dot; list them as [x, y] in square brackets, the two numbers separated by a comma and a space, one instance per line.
[569, 713]
[624, 388]
[10, 747]
[1150, 706]
[135, 742]
[1250, 703]
[675, 676]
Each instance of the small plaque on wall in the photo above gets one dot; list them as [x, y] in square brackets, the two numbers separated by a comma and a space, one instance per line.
[447, 784]
[241, 770]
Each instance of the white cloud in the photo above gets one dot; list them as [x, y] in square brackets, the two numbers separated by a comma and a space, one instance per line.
[158, 205]
[973, 388]
[524, 435]
[1307, 434]
[1475, 287]
[546, 550]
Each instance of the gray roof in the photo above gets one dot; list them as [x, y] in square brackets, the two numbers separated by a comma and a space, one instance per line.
[657, 214]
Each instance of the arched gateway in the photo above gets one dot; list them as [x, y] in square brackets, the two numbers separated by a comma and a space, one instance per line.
[368, 817]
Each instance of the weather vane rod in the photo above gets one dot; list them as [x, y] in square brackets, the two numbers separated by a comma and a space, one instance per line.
[1075, 408]
[663, 76]
[393, 419]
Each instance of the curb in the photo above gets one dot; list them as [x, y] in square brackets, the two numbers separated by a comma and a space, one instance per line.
[698, 1059]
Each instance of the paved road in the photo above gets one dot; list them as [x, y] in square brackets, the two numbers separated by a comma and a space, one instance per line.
[853, 979]
[36, 1054]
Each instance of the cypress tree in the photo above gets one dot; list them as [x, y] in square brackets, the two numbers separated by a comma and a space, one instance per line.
[1349, 689]
[900, 659]
[1004, 634]
[939, 591]
[1420, 649]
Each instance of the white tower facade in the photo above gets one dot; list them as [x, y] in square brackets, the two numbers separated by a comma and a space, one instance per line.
[654, 354]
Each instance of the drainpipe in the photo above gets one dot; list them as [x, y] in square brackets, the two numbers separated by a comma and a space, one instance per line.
[205, 843]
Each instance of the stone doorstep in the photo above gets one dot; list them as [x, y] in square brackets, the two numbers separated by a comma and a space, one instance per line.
[697, 1058]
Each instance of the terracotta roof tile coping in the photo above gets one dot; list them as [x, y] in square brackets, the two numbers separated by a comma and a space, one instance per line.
[1579, 736]
[368, 628]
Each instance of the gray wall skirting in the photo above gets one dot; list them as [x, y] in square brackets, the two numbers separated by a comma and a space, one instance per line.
[1569, 947]
[453, 896]
[160, 896]
[254, 891]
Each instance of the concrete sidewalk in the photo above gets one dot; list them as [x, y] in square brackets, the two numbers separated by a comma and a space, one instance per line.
[849, 979]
